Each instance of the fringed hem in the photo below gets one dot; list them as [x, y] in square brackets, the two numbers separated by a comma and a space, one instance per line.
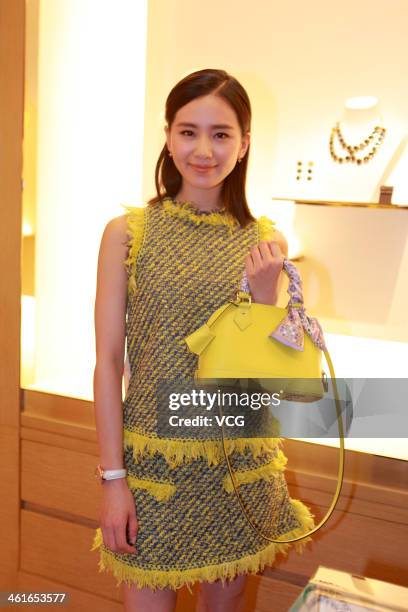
[267, 472]
[265, 228]
[162, 491]
[177, 452]
[135, 223]
[186, 210]
[175, 579]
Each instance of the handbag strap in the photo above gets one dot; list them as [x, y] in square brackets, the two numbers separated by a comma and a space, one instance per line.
[339, 478]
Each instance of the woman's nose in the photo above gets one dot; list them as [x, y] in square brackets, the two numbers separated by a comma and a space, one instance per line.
[203, 147]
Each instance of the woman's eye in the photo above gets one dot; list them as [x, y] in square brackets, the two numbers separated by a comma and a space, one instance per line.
[189, 133]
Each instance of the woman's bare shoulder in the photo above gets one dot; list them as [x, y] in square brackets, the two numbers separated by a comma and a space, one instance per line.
[118, 225]
[116, 230]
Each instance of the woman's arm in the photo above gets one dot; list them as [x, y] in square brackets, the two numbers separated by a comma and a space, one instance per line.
[117, 518]
[110, 312]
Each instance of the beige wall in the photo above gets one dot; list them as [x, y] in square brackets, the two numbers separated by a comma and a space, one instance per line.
[299, 61]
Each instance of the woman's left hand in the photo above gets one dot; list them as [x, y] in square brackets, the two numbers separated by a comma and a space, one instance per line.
[263, 267]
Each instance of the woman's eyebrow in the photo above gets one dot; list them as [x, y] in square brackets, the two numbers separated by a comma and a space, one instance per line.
[218, 126]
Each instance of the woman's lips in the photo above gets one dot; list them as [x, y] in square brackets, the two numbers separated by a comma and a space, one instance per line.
[202, 168]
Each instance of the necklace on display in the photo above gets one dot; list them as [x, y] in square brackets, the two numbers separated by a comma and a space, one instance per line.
[378, 132]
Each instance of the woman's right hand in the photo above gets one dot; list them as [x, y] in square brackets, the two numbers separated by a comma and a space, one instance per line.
[118, 519]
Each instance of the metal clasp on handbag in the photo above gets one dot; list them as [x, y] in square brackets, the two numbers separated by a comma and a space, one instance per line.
[243, 316]
[242, 297]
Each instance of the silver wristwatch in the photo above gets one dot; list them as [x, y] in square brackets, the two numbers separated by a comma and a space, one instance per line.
[102, 474]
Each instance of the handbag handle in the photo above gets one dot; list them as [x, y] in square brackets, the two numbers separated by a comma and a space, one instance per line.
[291, 329]
[295, 288]
[339, 478]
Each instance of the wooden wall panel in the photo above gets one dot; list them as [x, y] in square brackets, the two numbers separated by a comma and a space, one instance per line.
[12, 14]
[358, 544]
[79, 601]
[58, 550]
[59, 478]
[9, 506]
[374, 470]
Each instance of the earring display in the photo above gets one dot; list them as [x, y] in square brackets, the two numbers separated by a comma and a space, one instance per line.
[308, 172]
[374, 140]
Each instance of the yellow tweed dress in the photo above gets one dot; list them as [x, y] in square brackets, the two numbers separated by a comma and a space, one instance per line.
[182, 265]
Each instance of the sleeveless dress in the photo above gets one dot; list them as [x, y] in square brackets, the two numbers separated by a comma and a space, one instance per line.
[182, 265]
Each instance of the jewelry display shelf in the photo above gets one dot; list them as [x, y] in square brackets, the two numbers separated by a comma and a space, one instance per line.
[352, 204]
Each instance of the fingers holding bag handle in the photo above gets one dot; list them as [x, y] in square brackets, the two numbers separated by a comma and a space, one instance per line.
[263, 266]
[295, 287]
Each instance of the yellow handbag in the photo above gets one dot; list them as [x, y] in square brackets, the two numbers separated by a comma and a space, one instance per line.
[280, 348]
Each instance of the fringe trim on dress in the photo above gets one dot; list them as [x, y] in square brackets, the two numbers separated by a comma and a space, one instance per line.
[135, 228]
[162, 491]
[175, 579]
[265, 228]
[177, 452]
[185, 210]
[267, 472]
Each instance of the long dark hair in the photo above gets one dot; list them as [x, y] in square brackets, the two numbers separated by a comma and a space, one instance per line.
[168, 179]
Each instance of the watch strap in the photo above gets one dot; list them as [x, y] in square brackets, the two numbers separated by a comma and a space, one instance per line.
[112, 474]
[109, 474]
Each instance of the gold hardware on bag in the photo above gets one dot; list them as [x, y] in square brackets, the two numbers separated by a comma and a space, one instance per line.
[242, 297]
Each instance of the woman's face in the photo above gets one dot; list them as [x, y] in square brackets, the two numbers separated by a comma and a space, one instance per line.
[206, 141]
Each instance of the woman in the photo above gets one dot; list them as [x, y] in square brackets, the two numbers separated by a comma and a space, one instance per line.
[173, 520]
